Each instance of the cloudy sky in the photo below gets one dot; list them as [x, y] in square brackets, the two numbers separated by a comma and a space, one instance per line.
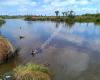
[48, 7]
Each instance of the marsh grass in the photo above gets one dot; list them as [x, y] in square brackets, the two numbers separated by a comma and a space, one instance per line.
[6, 49]
[87, 18]
[1, 21]
[31, 72]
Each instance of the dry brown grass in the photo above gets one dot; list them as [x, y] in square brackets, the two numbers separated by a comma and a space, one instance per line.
[5, 49]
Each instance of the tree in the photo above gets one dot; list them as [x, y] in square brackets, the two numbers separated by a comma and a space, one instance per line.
[57, 13]
[63, 13]
[66, 13]
[71, 13]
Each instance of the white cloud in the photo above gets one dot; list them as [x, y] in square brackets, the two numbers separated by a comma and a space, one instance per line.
[83, 2]
[50, 5]
[47, 1]
[18, 2]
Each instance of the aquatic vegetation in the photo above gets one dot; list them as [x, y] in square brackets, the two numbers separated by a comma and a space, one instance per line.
[31, 72]
[6, 50]
[12, 16]
[68, 17]
[1, 21]
[29, 18]
[97, 20]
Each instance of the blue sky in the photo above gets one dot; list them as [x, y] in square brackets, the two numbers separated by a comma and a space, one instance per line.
[48, 7]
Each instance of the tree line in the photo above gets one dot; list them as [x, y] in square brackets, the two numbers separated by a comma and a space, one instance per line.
[67, 13]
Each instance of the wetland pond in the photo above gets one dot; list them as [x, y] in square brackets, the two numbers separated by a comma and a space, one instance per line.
[72, 52]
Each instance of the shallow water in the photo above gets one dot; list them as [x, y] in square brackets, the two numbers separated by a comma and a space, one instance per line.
[72, 52]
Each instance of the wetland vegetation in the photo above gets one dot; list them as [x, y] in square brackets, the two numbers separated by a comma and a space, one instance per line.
[31, 72]
[68, 16]
[66, 34]
[2, 21]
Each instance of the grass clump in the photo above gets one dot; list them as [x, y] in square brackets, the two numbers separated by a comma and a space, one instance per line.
[6, 50]
[31, 72]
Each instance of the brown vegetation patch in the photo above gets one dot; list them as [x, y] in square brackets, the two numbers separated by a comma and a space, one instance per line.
[6, 49]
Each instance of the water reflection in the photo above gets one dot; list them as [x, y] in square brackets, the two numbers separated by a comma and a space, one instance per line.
[69, 24]
[73, 53]
[1, 24]
[97, 24]
[57, 24]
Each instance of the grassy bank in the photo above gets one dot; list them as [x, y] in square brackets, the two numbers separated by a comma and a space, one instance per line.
[42, 18]
[2, 21]
[87, 19]
[70, 19]
[12, 17]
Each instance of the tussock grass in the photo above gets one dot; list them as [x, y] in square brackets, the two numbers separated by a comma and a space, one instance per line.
[6, 49]
[31, 72]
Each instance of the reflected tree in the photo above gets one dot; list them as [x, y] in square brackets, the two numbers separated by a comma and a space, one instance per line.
[70, 24]
[57, 24]
[97, 24]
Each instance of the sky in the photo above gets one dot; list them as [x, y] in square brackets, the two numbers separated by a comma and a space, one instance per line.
[48, 7]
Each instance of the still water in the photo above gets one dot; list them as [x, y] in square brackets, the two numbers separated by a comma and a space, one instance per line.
[72, 52]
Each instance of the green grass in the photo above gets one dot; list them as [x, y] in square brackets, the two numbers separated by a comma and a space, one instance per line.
[1, 21]
[88, 18]
[31, 72]
[35, 67]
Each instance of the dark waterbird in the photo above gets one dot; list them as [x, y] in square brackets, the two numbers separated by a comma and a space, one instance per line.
[36, 51]
[21, 37]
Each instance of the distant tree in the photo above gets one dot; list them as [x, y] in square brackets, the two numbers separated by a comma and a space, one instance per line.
[71, 13]
[66, 13]
[63, 13]
[57, 13]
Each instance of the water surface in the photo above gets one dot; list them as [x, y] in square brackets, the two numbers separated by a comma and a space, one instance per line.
[72, 52]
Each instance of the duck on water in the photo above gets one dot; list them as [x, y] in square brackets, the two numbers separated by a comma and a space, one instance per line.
[36, 51]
